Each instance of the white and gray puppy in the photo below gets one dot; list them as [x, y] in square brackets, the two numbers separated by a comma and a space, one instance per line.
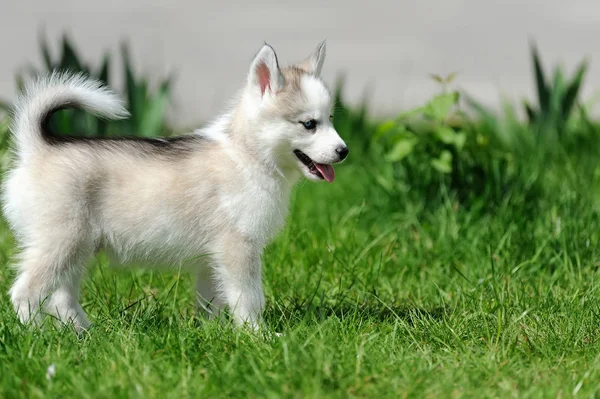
[213, 198]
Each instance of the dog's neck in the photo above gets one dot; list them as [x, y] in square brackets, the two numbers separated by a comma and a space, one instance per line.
[238, 135]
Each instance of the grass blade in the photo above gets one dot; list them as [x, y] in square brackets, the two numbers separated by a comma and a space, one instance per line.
[531, 114]
[573, 90]
[103, 76]
[130, 86]
[70, 60]
[540, 80]
[104, 72]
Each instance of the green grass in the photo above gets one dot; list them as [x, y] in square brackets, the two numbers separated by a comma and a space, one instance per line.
[376, 296]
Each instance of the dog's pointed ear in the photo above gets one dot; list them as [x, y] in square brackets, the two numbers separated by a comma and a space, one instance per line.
[314, 63]
[264, 71]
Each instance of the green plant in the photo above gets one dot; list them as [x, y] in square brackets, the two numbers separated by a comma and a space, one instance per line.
[431, 126]
[436, 128]
[435, 143]
[147, 107]
[557, 98]
[558, 123]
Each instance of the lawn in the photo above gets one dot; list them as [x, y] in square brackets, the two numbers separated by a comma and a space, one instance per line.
[375, 293]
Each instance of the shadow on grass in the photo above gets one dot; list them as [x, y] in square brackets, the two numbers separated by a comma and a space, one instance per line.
[279, 315]
[373, 312]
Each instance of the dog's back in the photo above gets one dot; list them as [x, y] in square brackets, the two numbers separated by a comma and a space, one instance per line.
[155, 200]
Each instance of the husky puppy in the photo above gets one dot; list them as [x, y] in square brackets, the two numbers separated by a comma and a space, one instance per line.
[212, 198]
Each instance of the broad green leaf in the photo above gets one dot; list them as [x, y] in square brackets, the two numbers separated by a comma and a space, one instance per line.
[443, 163]
[445, 134]
[422, 126]
[401, 149]
[440, 105]
[449, 136]
[460, 138]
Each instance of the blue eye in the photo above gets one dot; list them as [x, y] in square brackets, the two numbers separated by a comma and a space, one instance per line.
[310, 124]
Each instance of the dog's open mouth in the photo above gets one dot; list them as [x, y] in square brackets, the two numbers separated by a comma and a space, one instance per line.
[321, 170]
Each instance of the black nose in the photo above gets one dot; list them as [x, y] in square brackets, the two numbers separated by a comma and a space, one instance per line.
[342, 152]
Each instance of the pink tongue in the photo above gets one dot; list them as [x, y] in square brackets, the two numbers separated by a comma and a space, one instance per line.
[326, 170]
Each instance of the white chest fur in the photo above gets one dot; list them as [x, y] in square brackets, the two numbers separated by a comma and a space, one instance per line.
[257, 206]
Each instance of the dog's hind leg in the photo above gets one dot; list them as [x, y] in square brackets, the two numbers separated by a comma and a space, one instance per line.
[50, 275]
[64, 301]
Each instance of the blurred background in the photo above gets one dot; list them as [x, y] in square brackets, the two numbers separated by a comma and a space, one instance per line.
[385, 49]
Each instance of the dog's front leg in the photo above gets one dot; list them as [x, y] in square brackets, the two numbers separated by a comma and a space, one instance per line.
[238, 271]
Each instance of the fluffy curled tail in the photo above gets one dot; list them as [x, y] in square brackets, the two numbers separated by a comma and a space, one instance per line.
[49, 94]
